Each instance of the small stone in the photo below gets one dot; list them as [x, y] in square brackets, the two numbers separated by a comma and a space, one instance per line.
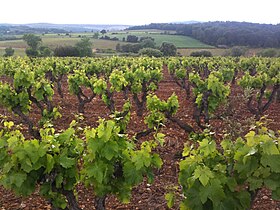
[265, 197]
[22, 205]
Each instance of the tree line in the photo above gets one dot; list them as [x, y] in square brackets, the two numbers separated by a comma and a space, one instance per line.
[225, 33]
[37, 49]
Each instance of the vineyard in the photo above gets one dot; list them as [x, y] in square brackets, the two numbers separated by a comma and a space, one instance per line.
[140, 133]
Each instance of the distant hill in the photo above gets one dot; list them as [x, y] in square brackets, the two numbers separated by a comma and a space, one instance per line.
[19, 29]
[224, 33]
[40, 28]
[186, 22]
[79, 27]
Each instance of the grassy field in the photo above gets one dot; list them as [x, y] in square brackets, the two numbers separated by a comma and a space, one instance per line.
[13, 44]
[177, 40]
[54, 40]
[18, 51]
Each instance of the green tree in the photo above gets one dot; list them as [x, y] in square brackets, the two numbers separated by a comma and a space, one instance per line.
[31, 52]
[33, 43]
[9, 51]
[168, 49]
[103, 31]
[236, 51]
[32, 40]
[66, 51]
[84, 47]
[150, 52]
[118, 47]
[132, 38]
[45, 51]
[95, 35]
[148, 43]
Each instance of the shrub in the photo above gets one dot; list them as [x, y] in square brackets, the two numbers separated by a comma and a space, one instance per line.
[132, 38]
[203, 53]
[9, 52]
[150, 52]
[268, 53]
[168, 49]
[45, 51]
[236, 51]
[66, 51]
[130, 48]
[148, 43]
[30, 52]
[84, 47]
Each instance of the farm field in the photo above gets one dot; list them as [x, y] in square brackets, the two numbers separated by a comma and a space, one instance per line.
[177, 40]
[54, 40]
[18, 51]
[144, 196]
[185, 45]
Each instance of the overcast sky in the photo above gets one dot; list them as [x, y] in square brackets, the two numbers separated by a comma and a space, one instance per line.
[138, 12]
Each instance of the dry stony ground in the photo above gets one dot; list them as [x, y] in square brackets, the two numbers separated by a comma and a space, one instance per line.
[146, 196]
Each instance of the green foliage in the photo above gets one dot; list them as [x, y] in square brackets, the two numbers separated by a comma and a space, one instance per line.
[145, 72]
[45, 51]
[132, 38]
[170, 198]
[150, 52]
[262, 77]
[270, 53]
[50, 162]
[213, 176]
[10, 99]
[236, 51]
[203, 53]
[117, 80]
[266, 72]
[225, 177]
[158, 109]
[28, 87]
[84, 46]
[112, 164]
[103, 31]
[147, 43]
[66, 51]
[122, 118]
[78, 80]
[214, 85]
[9, 51]
[208, 78]
[32, 52]
[168, 49]
[32, 40]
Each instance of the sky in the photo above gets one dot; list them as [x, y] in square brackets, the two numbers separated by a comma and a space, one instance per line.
[139, 12]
